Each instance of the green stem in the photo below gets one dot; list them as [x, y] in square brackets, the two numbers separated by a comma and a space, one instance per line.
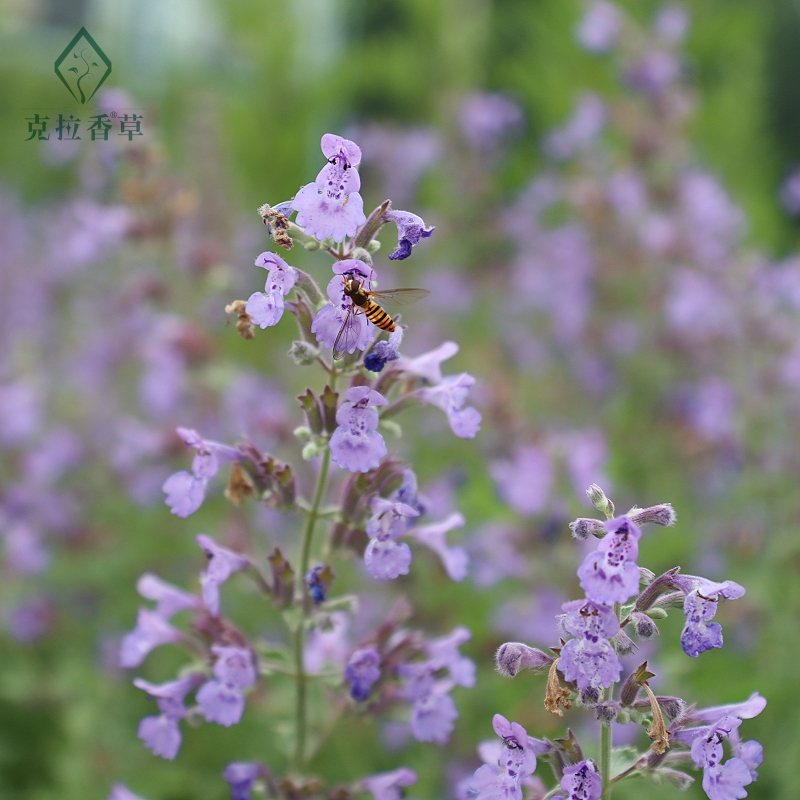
[300, 634]
[605, 753]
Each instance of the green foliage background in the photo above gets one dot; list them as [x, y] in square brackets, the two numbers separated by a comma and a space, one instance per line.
[241, 115]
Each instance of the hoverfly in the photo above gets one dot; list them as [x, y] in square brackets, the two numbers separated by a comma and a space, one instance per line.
[362, 302]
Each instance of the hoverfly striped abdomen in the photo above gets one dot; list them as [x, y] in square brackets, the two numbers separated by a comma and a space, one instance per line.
[377, 316]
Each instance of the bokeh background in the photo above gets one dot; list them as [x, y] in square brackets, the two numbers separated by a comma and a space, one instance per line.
[626, 292]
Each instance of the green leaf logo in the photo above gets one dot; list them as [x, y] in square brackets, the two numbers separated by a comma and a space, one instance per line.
[86, 69]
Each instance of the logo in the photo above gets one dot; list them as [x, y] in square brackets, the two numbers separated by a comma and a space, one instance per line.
[83, 66]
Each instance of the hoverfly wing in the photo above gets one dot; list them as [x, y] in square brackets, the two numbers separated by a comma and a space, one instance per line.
[399, 297]
[348, 334]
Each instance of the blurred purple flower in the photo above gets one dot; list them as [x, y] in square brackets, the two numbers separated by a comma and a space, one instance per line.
[487, 119]
[433, 535]
[30, 619]
[222, 562]
[222, 700]
[20, 412]
[698, 308]
[266, 308]
[443, 653]
[151, 631]
[450, 395]
[524, 482]
[331, 207]
[362, 671]
[161, 734]
[671, 23]
[654, 72]
[240, 776]
[433, 713]
[122, 792]
[586, 453]
[389, 785]
[356, 444]
[599, 27]
[789, 193]
[169, 599]
[581, 130]
[710, 409]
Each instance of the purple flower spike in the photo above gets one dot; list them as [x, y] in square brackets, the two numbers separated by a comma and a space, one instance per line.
[582, 781]
[589, 659]
[266, 308]
[610, 575]
[221, 563]
[362, 671]
[240, 776]
[451, 395]
[331, 207]
[151, 631]
[169, 599]
[356, 444]
[454, 559]
[389, 785]
[517, 762]
[410, 229]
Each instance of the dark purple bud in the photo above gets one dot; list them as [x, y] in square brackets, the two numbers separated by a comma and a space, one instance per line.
[663, 514]
[318, 581]
[512, 657]
[662, 584]
[241, 775]
[607, 712]
[590, 696]
[623, 644]
[583, 528]
[644, 626]
[362, 671]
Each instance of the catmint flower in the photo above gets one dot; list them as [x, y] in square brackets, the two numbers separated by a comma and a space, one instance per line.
[410, 229]
[454, 559]
[433, 713]
[749, 709]
[671, 23]
[384, 352]
[121, 792]
[151, 631]
[428, 366]
[362, 671]
[581, 130]
[240, 776]
[330, 318]
[582, 781]
[161, 734]
[516, 763]
[389, 785]
[524, 482]
[720, 781]
[186, 491]
[221, 700]
[266, 308]
[699, 607]
[169, 599]
[487, 119]
[385, 557]
[589, 659]
[331, 207]
[221, 563]
[356, 444]
[599, 29]
[443, 654]
[450, 395]
[609, 574]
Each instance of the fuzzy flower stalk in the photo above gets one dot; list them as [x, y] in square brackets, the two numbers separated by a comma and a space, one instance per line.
[375, 514]
[621, 606]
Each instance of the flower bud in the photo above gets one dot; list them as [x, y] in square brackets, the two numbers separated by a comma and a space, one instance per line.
[512, 657]
[310, 450]
[658, 586]
[644, 626]
[607, 712]
[312, 410]
[302, 432]
[374, 246]
[663, 515]
[362, 254]
[599, 500]
[583, 528]
[590, 696]
[622, 643]
[303, 353]
[680, 780]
